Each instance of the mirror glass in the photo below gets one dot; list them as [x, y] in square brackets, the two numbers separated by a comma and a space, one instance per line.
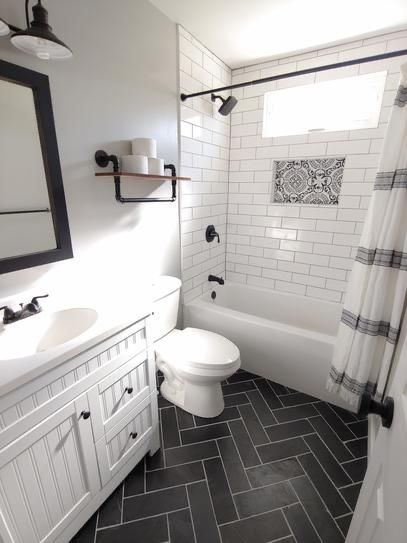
[26, 221]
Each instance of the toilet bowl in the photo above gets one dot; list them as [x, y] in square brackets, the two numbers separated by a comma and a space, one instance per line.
[194, 362]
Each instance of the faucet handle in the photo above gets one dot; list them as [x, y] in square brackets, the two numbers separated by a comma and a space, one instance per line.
[8, 314]
[36, 298]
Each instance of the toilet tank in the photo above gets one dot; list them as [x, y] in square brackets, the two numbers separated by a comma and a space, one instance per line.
[166, 292]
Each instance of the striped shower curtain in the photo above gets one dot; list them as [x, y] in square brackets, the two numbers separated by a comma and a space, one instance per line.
[375, 297]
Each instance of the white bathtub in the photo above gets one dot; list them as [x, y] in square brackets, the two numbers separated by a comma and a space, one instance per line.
[284, 337]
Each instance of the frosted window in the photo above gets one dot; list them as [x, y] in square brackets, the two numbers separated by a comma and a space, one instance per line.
[340, 104]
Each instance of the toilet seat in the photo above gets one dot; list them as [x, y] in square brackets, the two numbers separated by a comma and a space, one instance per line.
[196, 349]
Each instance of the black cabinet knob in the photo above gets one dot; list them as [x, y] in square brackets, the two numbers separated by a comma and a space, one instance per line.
[85, 414]
[133, 435]
[129, 390]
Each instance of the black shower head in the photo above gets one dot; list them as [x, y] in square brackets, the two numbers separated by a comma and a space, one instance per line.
[227, 105]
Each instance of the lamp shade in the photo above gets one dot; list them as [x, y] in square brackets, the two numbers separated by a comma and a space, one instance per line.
[39, 40]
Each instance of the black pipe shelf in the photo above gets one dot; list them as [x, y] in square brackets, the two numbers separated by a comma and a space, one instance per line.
[103, 159]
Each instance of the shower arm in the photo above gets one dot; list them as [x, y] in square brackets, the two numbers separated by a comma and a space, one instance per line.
[306, 71]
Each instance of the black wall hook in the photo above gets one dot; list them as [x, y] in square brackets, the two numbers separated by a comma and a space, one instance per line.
[384, 409]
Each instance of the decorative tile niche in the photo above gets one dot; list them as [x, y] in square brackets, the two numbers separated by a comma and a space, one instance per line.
[314, 181]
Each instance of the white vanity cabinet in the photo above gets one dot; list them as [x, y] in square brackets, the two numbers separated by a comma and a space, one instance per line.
[70, 436]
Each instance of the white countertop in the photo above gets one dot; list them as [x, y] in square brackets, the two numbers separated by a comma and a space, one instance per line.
[115, 312]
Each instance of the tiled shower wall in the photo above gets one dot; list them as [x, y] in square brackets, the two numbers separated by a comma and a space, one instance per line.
[205, 144]
[302, 249]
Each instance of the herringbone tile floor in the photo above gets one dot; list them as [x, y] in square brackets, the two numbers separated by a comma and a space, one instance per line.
[276, 465]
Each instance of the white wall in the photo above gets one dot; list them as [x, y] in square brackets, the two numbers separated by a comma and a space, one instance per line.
[120, 84]
[303, 249]
[204, 150]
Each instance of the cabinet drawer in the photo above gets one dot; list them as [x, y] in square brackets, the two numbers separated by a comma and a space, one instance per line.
[28, 405]
[120, 392]
[126, 438]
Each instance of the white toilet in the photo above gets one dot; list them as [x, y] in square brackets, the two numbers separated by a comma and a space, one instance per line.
[194, 362]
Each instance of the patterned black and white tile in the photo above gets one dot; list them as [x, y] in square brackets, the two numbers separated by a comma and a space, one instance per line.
[276, 465]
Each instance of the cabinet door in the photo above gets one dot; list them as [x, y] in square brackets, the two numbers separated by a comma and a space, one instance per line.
[119, 393]
[131, 437]
[48, 476]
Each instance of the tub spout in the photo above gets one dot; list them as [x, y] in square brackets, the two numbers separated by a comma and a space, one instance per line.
[219, 280]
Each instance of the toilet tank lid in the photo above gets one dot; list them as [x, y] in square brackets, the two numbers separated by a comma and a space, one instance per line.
[164, 286]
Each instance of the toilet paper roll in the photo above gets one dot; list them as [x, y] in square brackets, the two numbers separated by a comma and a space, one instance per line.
[156, 166]
[144, 146]
[134, 164]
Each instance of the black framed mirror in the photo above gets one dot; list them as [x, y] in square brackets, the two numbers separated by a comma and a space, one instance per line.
[34, 227]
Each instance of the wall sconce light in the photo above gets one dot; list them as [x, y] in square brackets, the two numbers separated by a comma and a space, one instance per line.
[37, 39]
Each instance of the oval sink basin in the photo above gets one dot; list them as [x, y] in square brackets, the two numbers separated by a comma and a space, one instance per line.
[45, 331]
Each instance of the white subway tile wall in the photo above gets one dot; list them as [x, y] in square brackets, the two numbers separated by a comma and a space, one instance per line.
[204, 156]
[307, 250]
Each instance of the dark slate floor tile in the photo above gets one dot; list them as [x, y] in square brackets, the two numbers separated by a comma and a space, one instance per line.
[191, 453]
[356, 469]
[151, 530]
[319, 516]
[162, 402]
[333, 500]
[235, 471]
[244, 444]
[278, 389]
[229, 413]
[298, 398]
[274, 472]
[203, 518]
[261, 500]
[331, 439]
[241, 376]
[328, 462]
[185, 420]
[360, 428]
[253, 426]
[358, 447]
[175, 476]
[236, 399]
[351, 494]
[234, 388]
[289, 429]
[260, 529]
[293, 413]
[263, 411]
[134, 482]
[170, 428]
[110, 512]
[222, 501]
[300, 524]
[268, 394]
[180, 526]
[344, 414]
[282, 449]
[344, 523]
[204, 433]
[87, 533]
[154, 503]
[334, 421]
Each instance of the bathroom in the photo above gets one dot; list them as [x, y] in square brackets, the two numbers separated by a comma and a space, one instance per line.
[264, 450]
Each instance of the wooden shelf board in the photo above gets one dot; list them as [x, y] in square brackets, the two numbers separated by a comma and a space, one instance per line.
[141, 176]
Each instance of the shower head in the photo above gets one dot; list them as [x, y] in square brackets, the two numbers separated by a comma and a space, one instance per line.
[227, 104]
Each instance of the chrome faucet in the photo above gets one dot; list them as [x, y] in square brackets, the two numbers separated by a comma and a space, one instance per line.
[27, 310]
[219, 280]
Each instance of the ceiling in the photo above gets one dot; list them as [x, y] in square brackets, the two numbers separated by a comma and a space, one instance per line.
[244, 32]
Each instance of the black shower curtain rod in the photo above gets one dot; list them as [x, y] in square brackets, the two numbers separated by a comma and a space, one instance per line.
[306, 71]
